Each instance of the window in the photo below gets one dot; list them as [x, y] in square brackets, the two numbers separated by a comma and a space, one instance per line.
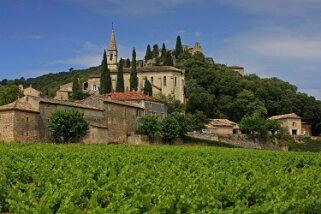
[150, 104]
[94, 87]
[27, 119]
[164, 81]
[27, 134]
[175, 81]
[111, 57]
[293, 124]
[85, 86]
[152, 80]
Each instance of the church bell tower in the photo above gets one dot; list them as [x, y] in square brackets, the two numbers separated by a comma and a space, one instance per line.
[112, 53]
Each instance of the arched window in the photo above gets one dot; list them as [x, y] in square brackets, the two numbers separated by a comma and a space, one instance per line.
[111, 57]
[164, 81]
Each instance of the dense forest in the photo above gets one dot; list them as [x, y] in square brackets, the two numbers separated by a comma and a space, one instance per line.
[214, 89]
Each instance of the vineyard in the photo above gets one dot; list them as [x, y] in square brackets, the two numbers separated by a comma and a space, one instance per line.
[156, 179]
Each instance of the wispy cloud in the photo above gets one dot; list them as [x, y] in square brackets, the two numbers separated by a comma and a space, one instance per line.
[130, 7]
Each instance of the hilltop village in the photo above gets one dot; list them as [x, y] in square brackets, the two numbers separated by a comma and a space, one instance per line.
[113, 117]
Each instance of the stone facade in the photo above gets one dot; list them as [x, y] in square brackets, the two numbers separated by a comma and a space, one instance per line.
[120, 117]
[238, 69]
[167, 80]
[192, 50]
[64, 92]
[222, 127]
[27, 119]
[293, 123]
[151, 105]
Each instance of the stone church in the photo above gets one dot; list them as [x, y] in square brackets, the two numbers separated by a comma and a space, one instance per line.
[167, 80]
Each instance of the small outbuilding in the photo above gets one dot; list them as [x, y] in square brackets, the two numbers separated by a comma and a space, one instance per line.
[223, 127]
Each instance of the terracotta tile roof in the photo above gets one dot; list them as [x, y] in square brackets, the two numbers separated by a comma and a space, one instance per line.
[18, 105]
[285, 116]
[130, 95]
[145, 69]
[221, 122]
[235, 67]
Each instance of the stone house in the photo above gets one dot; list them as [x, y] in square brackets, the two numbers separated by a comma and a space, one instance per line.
[151, 105]
[27, 120]
[293, 123]
[64, 92]
[29, 91]
[223, 127]
[238, 69]
[120, 118]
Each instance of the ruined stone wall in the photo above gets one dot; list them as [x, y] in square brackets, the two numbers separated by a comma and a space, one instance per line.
[6, 126]
[27, 126]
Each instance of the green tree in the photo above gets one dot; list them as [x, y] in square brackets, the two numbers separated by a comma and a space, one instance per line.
[76, 89]
[9, 94]
[127, 63]
[199, 120]
[120, 77]
[133, 73]
[155, 51]
[179, 47]
[170, 129]
[168, 59]
[68, 125]
[105, 79]
[149, 125]
[148, 88]
[173, 105]
[254, 124]
[273, 126]
[148, 54]
[185, 122]
[164, 51]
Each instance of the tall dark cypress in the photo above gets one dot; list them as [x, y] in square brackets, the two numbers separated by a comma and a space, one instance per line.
[148, 89]
[155, 51]
[149, 54]
[103, 75]
[163, 51]
[76, 89]
[120, 77]
[179, 46]
[133, 73]
[127, 63]
[168, 59]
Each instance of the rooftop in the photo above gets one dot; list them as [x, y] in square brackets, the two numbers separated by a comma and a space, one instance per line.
[235, 67]
[18, 105]
[221, 122]
[145, 69]
[130, 95]
[285, 116]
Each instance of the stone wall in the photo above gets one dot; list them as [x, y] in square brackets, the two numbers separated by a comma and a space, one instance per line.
[27, 126]
[6, 126]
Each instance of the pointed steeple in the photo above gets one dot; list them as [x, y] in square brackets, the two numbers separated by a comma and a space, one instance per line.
[112, 43]
[112, 53]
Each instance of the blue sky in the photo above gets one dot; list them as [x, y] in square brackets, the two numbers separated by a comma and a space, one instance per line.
[279, 38]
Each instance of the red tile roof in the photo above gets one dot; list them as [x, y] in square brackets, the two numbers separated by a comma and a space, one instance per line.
[130, 95]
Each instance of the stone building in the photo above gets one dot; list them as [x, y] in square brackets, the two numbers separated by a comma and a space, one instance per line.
[192, 50]
[223, 127]
[293, 123]
[151, 105]
[238, 69]
[29, 91]
[167, 80]
[27, 120]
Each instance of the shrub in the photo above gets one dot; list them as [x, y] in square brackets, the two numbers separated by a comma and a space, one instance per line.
[68, 125]
[149, 125]
[170, 129]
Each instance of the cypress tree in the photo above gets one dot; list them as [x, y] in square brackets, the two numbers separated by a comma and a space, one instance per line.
[76, 89]
[120, 77]
[168, 59]
[104, 73]
[149, 54]
[179, 46]
[163, 51]
[155, 51]
[133, 73]
[127, 63]
[148, 89]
